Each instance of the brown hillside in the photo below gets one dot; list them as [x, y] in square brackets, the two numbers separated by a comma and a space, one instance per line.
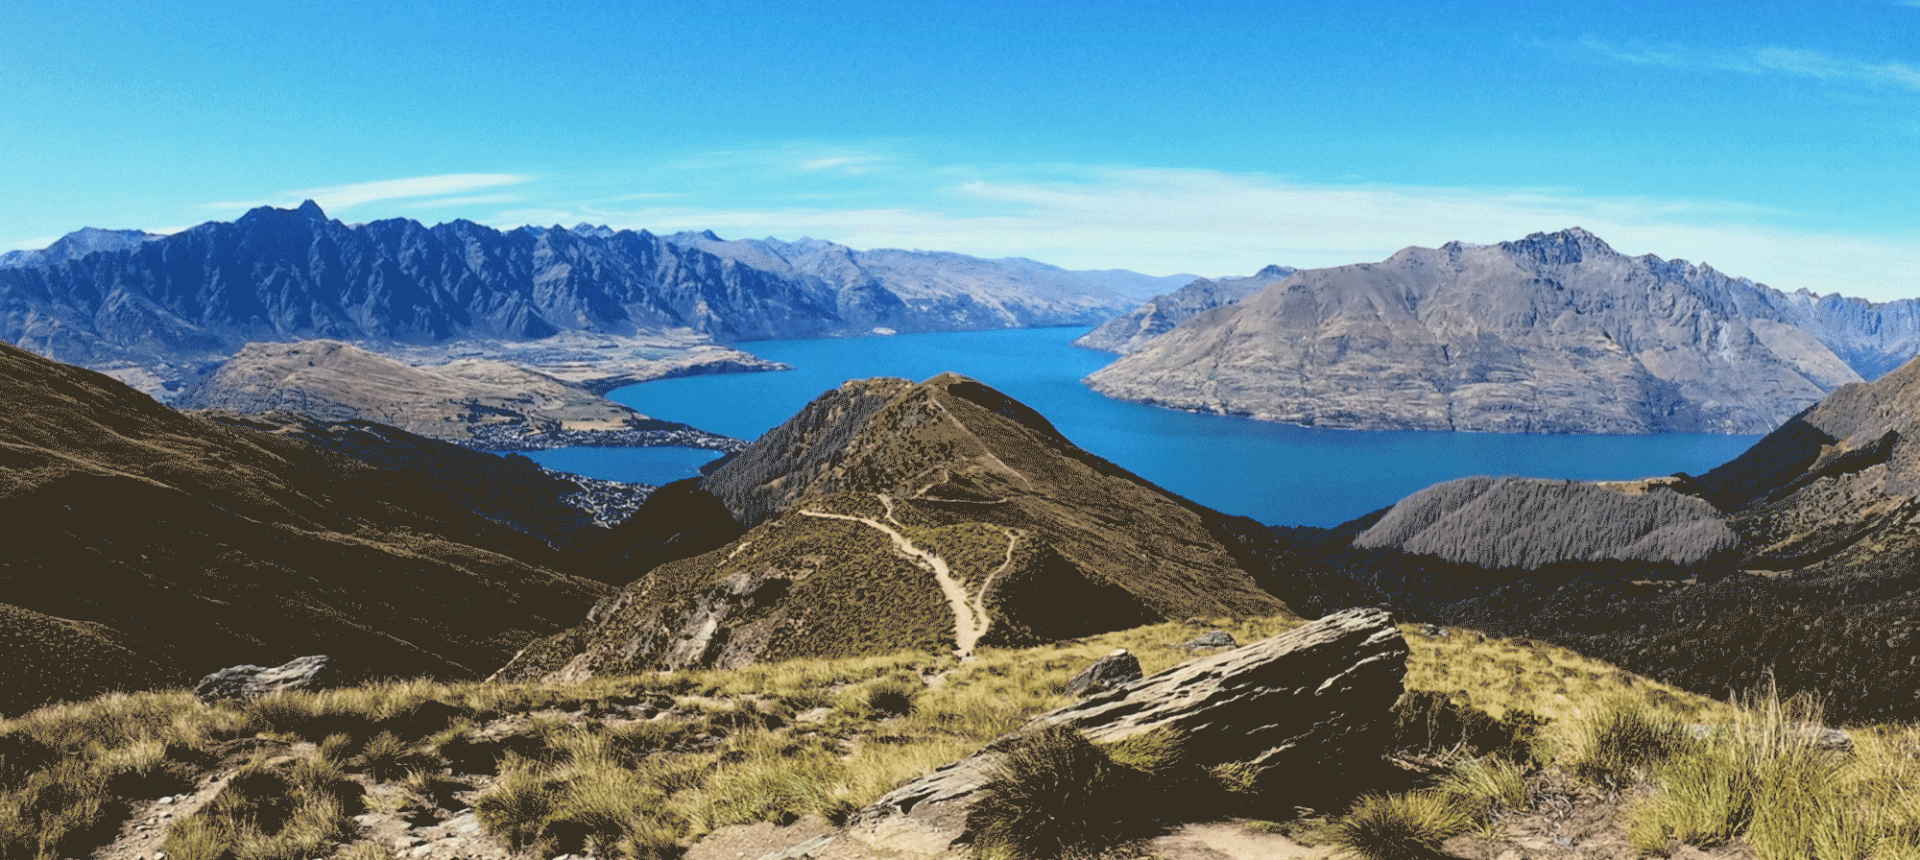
[172, 545]
[889, 515]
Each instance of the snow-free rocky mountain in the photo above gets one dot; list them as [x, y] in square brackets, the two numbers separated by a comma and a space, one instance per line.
[1555, 333]
[292, 274]
[1131, 330]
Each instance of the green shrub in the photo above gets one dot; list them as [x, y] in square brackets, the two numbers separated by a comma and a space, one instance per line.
[893, 697]
[1407, 826]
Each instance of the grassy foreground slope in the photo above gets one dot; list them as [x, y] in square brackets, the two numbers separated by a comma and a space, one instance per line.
[645, 765]
[146, 548]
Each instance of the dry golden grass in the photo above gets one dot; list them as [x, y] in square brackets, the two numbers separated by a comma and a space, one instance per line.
[733, 748]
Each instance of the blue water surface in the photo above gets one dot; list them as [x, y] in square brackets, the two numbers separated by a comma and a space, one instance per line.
[1274, 473]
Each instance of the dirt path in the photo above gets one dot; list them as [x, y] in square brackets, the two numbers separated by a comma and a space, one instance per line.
[968, 623]
[980, 597]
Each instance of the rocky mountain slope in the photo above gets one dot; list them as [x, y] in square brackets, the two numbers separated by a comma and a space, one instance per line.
[1131, 330]
[1554, 333]
[940, 515]
[1795, 562]
[77, 244]
[290, 274]
[483, 403]
[146, 547]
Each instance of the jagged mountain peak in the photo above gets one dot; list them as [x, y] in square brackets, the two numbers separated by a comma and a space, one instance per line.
[1562, 247]
[306, 211]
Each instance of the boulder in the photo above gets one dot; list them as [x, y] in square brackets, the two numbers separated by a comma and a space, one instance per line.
[1305, 702]
[1210, 639]
[1106, 673]
[249, 681]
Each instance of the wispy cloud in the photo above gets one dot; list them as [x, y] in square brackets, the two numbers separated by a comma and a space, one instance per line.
[356, 194]
[1798, 62]
[468, 200]
[1215, 223]
[27, 244]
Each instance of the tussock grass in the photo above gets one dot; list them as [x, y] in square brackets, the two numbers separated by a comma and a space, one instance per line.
[1407, 826]
[1624, 742]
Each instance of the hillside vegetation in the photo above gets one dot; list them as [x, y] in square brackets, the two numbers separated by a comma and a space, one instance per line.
[1527, 523]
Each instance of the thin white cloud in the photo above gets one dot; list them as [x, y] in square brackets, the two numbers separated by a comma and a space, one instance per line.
[1165, 221]
[470, 200]
[349, 196]
[1798, 62]
[27, 244]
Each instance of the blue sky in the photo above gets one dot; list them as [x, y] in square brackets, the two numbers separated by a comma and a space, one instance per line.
[1775, 141]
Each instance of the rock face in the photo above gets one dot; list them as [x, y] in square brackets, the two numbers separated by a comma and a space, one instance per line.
[292, 274]
[1106, 673]
[1556, 333]
[487, 404]
[145, 545]
[1303, 703]
[1129, 331]
[891, 515]
[309, 673]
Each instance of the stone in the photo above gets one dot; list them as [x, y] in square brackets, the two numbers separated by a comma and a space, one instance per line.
[1817, 736]
[1106, 673]
[1307, 703]
[248, 681]
[1210, 639]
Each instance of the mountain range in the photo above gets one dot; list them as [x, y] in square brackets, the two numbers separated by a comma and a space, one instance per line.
[103, 297]
[1555, 333]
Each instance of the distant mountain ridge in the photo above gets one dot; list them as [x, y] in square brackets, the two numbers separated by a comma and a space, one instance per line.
[1131, 331]
[1557, 332]
[77, 244]
[291, 274]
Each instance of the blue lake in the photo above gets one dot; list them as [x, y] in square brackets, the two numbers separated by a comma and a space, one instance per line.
[1277, 474]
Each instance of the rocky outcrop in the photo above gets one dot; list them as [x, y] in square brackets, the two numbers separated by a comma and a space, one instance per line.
[301, 674]
[1211, 639]
[1129, 331]
[293, 274]
[1556, 333]
[1106, 673]
[1304, 703]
